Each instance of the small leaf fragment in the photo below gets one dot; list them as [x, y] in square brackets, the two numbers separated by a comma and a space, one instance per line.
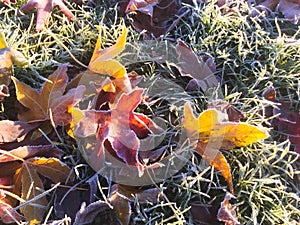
[226, 212]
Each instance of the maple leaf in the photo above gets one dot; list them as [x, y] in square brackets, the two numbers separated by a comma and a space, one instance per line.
[102, 62]
[28, 182]
[50, 100]
[8, 57]
[211, 132]
[150, 15]
[120, 131]
[14, 130]
[25, 152]
[44, 8]
[200, 69]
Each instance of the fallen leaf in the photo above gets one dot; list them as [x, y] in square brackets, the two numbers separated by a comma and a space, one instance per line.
[287, 121]
[290, 9]
[87, 214]
[8, 57]
[44, 8]
[25, 152]
[50, 100]
[29, 184]
[102, 62]
[120, 131]
[14, 130]
[211, 131]
[4, 91]
[226, 212]
[152, 16]
[142, 6]
[200, 69]
[121, 196]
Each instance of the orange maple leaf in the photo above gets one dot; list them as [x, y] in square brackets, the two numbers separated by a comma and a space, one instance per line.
[50, 100]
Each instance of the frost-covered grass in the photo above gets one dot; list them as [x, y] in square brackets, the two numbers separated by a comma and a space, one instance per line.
[251, 54]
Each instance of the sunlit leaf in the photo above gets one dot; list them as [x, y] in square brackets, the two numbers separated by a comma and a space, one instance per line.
[8, 57]
[25, 152]
[211, 131]
[118, 130]
[50, 100]
[14, 130]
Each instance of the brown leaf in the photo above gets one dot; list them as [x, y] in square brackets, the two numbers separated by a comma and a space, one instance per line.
[51, 168]
[7, 213]
[87, 214]
[152, 16]
[200, 69]
[44, 8]
[32, 187]
[25, 152]
[14, 130]
[28, 184]
[226, 212]
[49, 100]
[290, 9]
[122, 195]
[287, 122]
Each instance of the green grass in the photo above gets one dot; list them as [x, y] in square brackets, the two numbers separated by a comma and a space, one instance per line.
[251, 54]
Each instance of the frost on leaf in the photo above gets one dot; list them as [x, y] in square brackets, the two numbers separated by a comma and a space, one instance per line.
[50, 101]
[118, 131]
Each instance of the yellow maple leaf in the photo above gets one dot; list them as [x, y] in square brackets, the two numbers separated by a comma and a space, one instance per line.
[212, 131]
[102, 60]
